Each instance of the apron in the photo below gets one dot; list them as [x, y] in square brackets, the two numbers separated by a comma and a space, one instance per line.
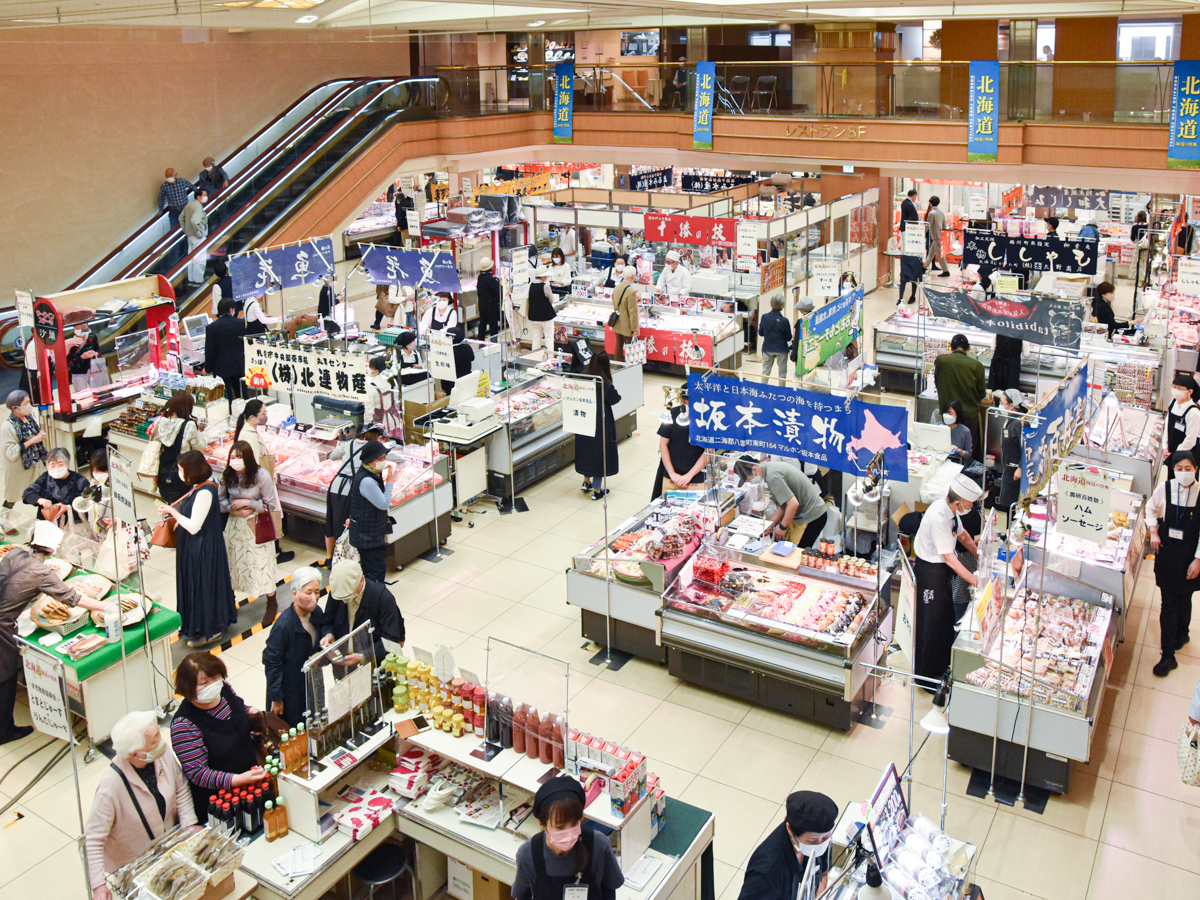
[387, 414]
[933, 631]
[1178, 551]
[1176, 430]
[550, 887]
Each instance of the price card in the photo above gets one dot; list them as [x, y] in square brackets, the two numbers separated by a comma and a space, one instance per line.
[441, 355]
[825, 273]
[977, 206]
[1006, 284]
[579, 405]
[914, 239]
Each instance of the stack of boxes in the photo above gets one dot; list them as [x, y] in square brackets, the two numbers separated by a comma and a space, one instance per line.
[619, 772]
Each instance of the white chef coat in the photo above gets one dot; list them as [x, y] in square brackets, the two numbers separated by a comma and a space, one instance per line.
[567, 242]
[254, 313]
[936, 537]
[560, 275]
[678, 282]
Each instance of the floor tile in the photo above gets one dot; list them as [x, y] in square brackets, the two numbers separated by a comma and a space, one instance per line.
[549, 551]
[710, 702]
[1152, 765]
[59, 875]
[524, 625]
[681, 736]
[1151, 825]
[513, 579]
[1079, 811]
[501, 541]
[1181, 682]
[551, 596]
[1118, 874]
[27, 841]
[791, 728]
[994, 890]
[1037, 859]
[671, 779]
[543, 515]
[646, 677]
[776, 765]
[1106, 746]
[1156, 713]
[724, 875]
[842, 779]
[468, 609]
[739, 818]
[611, 712]
[462, 566]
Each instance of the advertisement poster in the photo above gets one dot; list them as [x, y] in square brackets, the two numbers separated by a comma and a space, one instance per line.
[670, 347]
[840, 433]
[433, 270]
[579, 405]
[828, 330]
[24, 308]
[1084, 503]
[265, 271]
[983, 135]
[1041, 319]
[1059, 422]
[702, 117]
[1183, 145]
[527, 186]
[698, 231]
[306, 371]
[564, 102]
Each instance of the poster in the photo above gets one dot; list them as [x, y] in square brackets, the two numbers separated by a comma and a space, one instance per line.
[983, 135]
[828, 330]
[653, 180]
[1040, 319]
[579, 405]
[120, 479]
[771, 276]
[702, 116]
[47, 699]
[45, 322]
[306, 371]
[262, 272]
[977, 206]
[441, 355]
[707, 184]
[433, 270]
[914, 239]
[1188, 278]
[1029, 254]
[1006, 284]
[840, 433]
[825, 276]
[1084, 503]
[564, 102]
[1183, 145]
[747, 247]
[1057, 427]
[24, 308]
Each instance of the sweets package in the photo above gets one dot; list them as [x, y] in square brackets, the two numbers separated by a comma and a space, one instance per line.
[361, 817]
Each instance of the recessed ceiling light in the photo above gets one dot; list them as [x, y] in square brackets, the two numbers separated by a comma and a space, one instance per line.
[304, 20]
[537, 23]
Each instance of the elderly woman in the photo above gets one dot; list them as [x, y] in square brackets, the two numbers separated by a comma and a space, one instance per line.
[293, 639]
[52, 492]
[245, 492]
[210, 733]
[24, 446]
[143, 795]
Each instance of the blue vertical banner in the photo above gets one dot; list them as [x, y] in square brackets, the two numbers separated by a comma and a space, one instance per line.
[706, 91]
[983, 112]
[1183, 147]
[564, 102]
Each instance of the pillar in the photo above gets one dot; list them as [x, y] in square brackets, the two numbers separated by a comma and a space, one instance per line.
[962, 41]
[1085, 92]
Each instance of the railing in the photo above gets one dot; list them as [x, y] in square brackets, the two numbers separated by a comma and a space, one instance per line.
[1132, 93]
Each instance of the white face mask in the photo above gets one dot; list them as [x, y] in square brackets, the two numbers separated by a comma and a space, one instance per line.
[101, 477]
[159, 749]
[949, 418]
[211, 691]
[171, 180]
[1185, 479]
[1181, 394]
[812, 850]
[441, 305]
[57, 472]
[208, 168]
[237, 465]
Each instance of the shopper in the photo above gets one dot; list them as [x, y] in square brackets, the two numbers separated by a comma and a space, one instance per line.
[675, 280]
[1102, 310]
[1138, 228]
[55, 489]
[224, 350]
[778, 867]
[803, 306]
[596, 454]
[487, 289]
[1186, 236]
[24, 576]
[194, 222]
[203, 588]
[960, 377]
[1175, 539]
[256, 317]
[1183, 418]
[776, 334]
[541, 312]
[612, 275]
[961, 446]
[337, 497]
[212, 178]
[178, 433]
[173, 197]
[384, 307]
[800, 512]
[382, 405]
[222, 289]
[908, 211]
[246, 494]
[564, 856]
[252, 415]
[292, 640]
[142, 795]
[23, 441]
[935, 219]
[210, 732]
[628, 326]
[1011, 455]
[936, 561]
[912, 271]
[82, 349]
[354, 601]
[681, 463]
[1005, 371]
[410, 358]
[370, 500]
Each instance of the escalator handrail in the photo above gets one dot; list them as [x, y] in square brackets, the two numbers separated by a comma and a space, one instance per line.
[349, 85]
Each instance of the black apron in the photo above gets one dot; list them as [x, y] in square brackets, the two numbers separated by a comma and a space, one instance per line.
[255, 327]
[228, 742]
[550, 887]
[1176, 553]
[933, 630]
[1176, 430]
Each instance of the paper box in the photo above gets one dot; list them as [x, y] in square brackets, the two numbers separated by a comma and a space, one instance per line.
[464, 883]
[360, 818]
[414, 410]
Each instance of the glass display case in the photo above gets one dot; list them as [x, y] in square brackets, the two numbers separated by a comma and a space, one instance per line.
[531, 411]
[1126, 438]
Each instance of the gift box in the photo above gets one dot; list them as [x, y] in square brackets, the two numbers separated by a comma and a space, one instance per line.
[360, 818]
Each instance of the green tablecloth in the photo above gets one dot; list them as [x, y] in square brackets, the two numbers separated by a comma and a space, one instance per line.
[684, 822]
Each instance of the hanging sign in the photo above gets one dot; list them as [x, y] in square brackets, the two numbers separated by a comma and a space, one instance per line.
[1041, 319]
[747, 246]
[707, 184]
[306, 371]
[430, 269]
[1031, 254]
[441, 355]
[825, 275]
[1069, 198]
[1084, 503]
[24, 308]
[652, 180]
[914, 239]
[1183, 144]
[46, 322]
[120, 479]
[702, 117]
[983, 136]
[828, 330]
[526, 186]
[659, 227]
[414, 222]
[564, 102]
[1187, 279]
[262, 272]
[840, 433]
[47, 698]
[697, 231]
[1059, 421]
[579, 405]
[977, 206]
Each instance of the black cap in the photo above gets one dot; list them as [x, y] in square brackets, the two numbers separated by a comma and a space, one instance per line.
[810, 811]
[406, 338]
[372, 452]
[557, 788]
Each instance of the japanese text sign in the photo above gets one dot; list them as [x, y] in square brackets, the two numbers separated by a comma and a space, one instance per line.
[699, 231]
[564, 102]
[977, 206]
[747, 246]
[1059, 422]
[1187, 280]
[1069, 198]
[430, 269]
[1084, 503]
[521, 187]
[579, 405]
[120, 478]
[836, 432]
[1029, 254]
[652, 180]
[914, 239]
[441, 355]
[702, 117]
[305, 371]
[983, 135]
[265, 271]
[25, 308]
[47, 699]
[707, 184]
[828, 330]
[825, 276]
[1041, 319]
[1183, 145]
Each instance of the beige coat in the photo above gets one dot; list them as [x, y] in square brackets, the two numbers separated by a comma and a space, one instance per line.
[625, 303]
[16, 476]
[114, 834]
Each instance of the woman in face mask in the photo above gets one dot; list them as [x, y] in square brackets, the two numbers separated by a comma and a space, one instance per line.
[143, 795]
[1175, 538]
[293, 639]
[54, 490]
[246, 492]
[24, 445]
[210, 733]
[440, 316]
[961, 444]
[780, 865]
[1183, 418]
[564, 861]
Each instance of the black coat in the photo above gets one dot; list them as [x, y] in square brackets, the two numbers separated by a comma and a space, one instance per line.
[45, 487]
[541, 302]
[378, 607]
[224, 352]
[775, 332]
[589, 451]
[325, 301]
[774, 872]
[288, 647]
[908, 213]
[213, 181]
[76, 364]
[487, 289]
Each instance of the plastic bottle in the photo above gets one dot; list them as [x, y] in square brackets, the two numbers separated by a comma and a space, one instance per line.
[533, 734]
[214, 807]
[272, 831]
[226, 813]
[258, 809]
[546, 745]
[289, 751]
[519, 728]
[491, 720]
[281, 820]
[559, 747]
[301, 745]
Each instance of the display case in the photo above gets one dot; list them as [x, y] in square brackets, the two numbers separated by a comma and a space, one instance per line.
[1125, 438]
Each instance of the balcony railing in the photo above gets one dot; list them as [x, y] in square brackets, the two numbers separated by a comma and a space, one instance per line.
[1128, 93]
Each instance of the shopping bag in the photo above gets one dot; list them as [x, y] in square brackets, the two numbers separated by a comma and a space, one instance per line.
[1189, 753]
[343, 549]
[635, 353]
[117, 555]
[80, 544]
[148, 465]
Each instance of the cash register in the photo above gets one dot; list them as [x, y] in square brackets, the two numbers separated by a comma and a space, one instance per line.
[468, 416]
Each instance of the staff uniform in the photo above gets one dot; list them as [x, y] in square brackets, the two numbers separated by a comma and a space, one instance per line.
[560, 278]
[1005, 371]
[1182, 431]
[213, 745]
[541, 314]
[775, 870]
[785, 481]
[433, 320]
[1010, 457]
[257, 320]
[960, 437]
[543, 875]
[382, 404]
[225, 353]
[934, 627]
[487, 289]
[677, 282]
[675, 426]
[1173, 509]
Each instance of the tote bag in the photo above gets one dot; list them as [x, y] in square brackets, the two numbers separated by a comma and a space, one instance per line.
[1189, 754]
[635, 353]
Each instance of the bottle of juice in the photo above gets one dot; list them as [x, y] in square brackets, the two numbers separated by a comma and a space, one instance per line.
[519, 728]
[269, 826]
[301, 746]
[281, 822]
[532, 734]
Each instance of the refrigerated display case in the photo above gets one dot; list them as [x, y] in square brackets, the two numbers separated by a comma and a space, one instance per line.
[1125, 438]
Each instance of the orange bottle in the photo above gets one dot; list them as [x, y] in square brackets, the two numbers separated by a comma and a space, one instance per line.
[281, 822]
[270, 828]
[519, 728]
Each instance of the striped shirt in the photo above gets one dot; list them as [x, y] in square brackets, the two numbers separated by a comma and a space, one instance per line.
[188, 744]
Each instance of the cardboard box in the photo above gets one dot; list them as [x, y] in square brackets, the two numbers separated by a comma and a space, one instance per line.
[414, 410]
[464, 883]
[900, 514]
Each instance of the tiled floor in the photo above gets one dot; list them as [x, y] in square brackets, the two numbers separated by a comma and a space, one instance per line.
[1128, 825]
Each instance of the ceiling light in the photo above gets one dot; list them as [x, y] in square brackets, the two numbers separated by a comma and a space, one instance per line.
[537, 23]
[304, 20]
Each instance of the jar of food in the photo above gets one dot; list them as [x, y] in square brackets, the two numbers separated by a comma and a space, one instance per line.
[456, 725]
[468, 697]
[414, 673]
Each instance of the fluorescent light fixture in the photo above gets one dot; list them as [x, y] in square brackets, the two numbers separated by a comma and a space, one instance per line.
[537, 23]
[304, 20]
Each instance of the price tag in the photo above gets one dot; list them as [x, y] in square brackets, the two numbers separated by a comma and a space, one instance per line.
[1006, 284]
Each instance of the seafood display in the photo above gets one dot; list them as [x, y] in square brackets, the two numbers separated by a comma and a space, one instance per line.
[533, 409]
[669, 532]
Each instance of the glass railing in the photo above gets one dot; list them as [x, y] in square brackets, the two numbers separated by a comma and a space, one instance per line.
[1100, 92]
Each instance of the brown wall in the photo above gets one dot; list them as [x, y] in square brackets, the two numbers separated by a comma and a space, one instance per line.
[962, 41]
[1189, 37]
[1080, 90]
[94, 116]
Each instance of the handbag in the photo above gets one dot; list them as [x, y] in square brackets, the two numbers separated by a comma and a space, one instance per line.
[635, 353]
[1189, 753]
[343, 549]
[267, 526]
[164, 530]
[148, 464]
[266, 728]
[612, 319]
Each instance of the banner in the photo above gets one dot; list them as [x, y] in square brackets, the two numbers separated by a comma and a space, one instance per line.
[708, 184]
[564, 102]
[1183, 145]
[652, 180]
[706, 90]
[700, 231]
[1029, 254]
[430, 269]
[305, 371]
[521, 187]
[1069, 198]
[839, 433]
[1040, 319]
[983, 135]
[1058, 425]
[262, 272]
[672, 347]
[828, 330]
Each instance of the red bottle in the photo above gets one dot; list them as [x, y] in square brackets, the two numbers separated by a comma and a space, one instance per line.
[519, 717]
[533, 737]
[556, 736]
[546, 742]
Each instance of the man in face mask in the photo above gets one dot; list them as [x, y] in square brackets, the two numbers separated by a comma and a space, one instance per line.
[173, 196]
[212, 177]
[778, 867]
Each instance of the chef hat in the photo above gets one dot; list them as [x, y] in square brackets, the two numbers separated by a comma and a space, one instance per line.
[46, 535]
[1015, 396]
[810, 811]
[672, 256]
[966, 488]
